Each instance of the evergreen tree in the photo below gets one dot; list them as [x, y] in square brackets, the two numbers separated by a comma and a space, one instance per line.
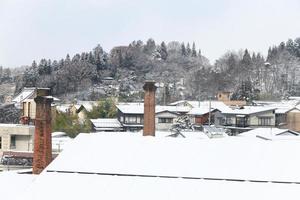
[183, 50]
[290, 46]
[150, 46]
[188, 49]
[163, 51]
[194, 52]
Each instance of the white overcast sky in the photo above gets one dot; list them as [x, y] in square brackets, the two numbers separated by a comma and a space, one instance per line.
[35, 29]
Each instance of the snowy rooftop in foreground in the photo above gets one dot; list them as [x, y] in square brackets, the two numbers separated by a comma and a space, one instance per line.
[229, 158]
[128, 166]
[12, 183]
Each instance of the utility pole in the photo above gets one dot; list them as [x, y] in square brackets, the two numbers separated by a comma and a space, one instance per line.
[209, 113]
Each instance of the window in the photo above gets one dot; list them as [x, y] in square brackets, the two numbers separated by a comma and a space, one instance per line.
[122, 119]
[0, 142]
[228, 121]
[12, 142]
[264, 121]
[130, 120]
[28, 114]
[165, 120]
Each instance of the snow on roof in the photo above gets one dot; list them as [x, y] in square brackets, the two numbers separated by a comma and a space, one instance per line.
[151, 156]
[248, 110]
[93, 186]
[88, 105]
[196, 104]
[63, 108]
[168, 168]
[281, 107]
[24, 94]
[106, 123]
[139, 108]
[58, 134]
[12, 183]
[270, 133]
[177, 109]
[200, 111]
[131, 109]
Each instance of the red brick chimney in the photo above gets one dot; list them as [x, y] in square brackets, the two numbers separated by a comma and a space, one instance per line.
[149, 108]
[42, 136]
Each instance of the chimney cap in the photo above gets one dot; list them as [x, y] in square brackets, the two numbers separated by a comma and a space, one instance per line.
[149, 85]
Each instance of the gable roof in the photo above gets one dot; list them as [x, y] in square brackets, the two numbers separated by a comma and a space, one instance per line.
[24, 94]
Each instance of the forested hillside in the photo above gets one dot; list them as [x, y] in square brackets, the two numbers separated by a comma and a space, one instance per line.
[181, 70]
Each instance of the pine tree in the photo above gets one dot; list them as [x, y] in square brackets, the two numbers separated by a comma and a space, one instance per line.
[150, 46]
[163, 51]
[183, 50]
[188, 49]
[194, 52]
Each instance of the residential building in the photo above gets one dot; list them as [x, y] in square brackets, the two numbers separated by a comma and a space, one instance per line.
[16, 137]
[131, 115]
[25, 101]
[246, 118]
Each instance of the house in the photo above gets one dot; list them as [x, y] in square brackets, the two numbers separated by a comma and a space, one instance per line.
[165, 119]
[131, 115]
[25, 101]
[246, 118]
[16, 137]
[106, 124]
[23, 95]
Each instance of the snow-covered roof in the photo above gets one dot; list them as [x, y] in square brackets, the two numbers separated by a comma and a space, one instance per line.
[176, 109]
[248, 110]
[92, 186]
[281, 107]
[203, 104]
[131, 108]
[24, 94]
[12, 183]
[150, 156]
[139, 108]
[63, 108]
[88, 105]
[167, 168]
[200, 111]
[106, 123]
[271, 133]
